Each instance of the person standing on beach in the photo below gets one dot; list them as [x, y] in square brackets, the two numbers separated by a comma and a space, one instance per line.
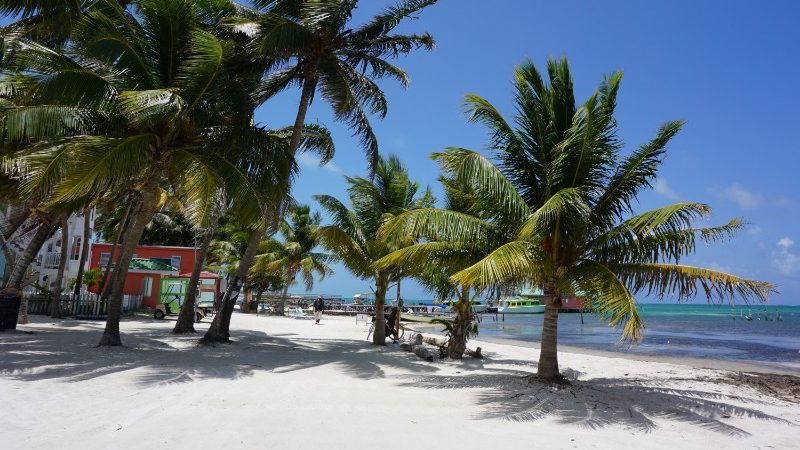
[319, 306]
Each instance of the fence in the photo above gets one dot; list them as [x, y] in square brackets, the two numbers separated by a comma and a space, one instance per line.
[87, 306]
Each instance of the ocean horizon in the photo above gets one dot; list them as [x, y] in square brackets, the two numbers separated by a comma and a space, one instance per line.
[675, 330]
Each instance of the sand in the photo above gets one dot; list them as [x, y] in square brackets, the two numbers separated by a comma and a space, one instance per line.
[287, 383]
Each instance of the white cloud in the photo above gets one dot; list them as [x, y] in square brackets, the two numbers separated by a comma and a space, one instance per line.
[741, 196]
[312, 162]
[720, 267]
[786, 258]
[754, 230]
[662, 188]
[397, 142]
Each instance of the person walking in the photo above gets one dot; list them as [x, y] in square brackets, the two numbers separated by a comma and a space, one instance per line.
[319, 306]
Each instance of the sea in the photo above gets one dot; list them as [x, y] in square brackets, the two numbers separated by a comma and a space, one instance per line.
[675, 330]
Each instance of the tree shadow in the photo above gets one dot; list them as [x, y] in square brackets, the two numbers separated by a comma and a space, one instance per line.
[159, 358]
[511, 394]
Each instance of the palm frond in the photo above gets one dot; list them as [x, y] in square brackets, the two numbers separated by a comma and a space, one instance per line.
[685, 282]
[512, 264]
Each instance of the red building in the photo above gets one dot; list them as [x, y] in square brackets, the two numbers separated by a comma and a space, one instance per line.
[148, 265]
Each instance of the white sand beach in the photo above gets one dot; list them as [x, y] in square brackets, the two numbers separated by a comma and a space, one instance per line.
[286, 383]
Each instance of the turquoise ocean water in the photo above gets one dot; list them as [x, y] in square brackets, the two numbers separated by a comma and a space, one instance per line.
[687, 330]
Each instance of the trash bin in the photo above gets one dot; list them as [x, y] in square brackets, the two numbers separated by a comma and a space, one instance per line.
[10, 300]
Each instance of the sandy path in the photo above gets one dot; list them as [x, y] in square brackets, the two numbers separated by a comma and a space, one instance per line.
[287, 383]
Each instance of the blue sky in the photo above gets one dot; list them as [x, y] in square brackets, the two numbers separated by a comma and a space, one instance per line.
[729, 69]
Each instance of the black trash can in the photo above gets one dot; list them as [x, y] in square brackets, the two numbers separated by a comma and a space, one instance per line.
[10, 300]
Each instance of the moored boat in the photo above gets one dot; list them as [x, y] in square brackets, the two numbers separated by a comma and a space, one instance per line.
[526, 302]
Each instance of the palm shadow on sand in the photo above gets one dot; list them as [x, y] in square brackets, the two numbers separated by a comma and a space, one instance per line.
[599, 402]
[68, 354]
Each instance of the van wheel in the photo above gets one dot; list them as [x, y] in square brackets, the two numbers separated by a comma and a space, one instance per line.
[198, 317]
[159, 314]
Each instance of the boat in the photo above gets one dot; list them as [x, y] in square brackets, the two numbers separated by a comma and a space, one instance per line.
[526, 302]
[478, 306]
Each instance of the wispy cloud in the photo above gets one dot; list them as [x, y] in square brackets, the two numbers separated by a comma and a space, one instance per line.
[786, 258]
[754, 230]
[745, 198]
[663, 188]
[720, 267]
[312, 162]
[397, 143]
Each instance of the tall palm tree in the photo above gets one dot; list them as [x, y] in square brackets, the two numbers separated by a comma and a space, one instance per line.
[295, 255]
[354, 234]
[132, 107]
[439, 252]
[55, 307]
[310, 44]
[563, 186]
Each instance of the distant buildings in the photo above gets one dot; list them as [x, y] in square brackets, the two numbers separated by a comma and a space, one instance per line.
[156, 271]
[45, 266]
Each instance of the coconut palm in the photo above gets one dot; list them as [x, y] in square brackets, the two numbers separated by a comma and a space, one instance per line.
[309, 44]
[132, 107]
[294, 255]
[438, 252]
[353, 236]
[561, 183]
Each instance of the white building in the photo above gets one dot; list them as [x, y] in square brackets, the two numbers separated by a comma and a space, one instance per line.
[45, 266]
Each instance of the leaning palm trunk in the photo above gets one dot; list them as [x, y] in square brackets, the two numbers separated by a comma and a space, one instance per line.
[457, 343]
[24, 261]
[548, 355]
[381, 286]
[55, 308]
[285, 294]
[144, 214]
[219, 331]
[87, 230]
[185, 323]
[105, 285]
[309, 85]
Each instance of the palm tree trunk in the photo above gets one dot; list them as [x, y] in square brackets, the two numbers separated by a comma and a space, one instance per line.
[104, 289]
[548, 355]
[185, 323]
[24, 261]
[381, 286]
[7, 252]
[87, 231]
[458, 340]
[18, 215]
[285, 294]
[219, 331]
[144, 213]
[309, 85]
[55, 307]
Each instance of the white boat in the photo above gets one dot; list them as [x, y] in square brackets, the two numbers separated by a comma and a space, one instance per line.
[478, 306]
[527, 302]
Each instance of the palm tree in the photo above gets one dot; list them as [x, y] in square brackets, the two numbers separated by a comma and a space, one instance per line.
[438, 252]
[86, 236]
[295, 255]
[55, 307]
[132, 107]
[308, 43]
[354, 234]
[562, 185]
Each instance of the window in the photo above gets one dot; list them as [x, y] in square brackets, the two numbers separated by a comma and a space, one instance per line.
[175, 262]
[76, 248]
[104, 257]
[147, 286]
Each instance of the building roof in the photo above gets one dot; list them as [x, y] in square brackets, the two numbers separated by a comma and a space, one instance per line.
[150, 264]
